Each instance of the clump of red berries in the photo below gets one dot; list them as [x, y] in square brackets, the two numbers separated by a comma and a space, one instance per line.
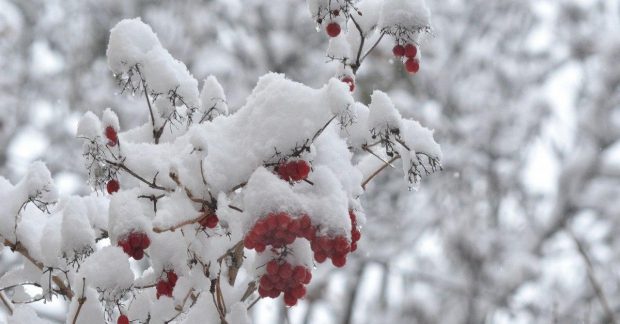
[209, 220]
[333, 29]
[165, 286]
[277, 230]
[409, 53]
[336, 248]
[296, 170]
[113, 186]
[111, 135]
[122, 320]
[349, 80]
[282, 277]
[134, 244]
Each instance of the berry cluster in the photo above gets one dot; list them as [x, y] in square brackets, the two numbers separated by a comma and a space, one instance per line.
[113, 186]
[336, 248]
[209, 220]
[277, 230]
[110, 134]
[166, 286]
[134, 244]
[296, 170]
[122, 320]
[409, 52]
[282, 277]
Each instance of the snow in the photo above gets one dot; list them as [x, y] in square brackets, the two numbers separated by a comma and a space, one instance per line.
[126, 215]
[77, 233]
[109, 118]
[130, 41]
[24, 314]
[383, 115]
[106, 270]
[238, 314]
[405, 13]
[89, 126]
[212, 97]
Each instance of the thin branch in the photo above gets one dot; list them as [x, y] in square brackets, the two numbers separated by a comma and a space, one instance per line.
[137, 176]
[148, 102]
[81, 301]
[374, 174]
[372, 47]
[7, 303]
[600, 294]
[378, 157]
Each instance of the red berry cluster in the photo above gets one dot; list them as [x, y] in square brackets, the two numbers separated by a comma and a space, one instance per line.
[349, 80]
[166, 286]
[296, 170]
[336, 248]
[113, 186]
[122, 320]
[282, 277]
[209, 220]
[134, 244]
[409, 52]
[277, 230]
[356, 235]
[110, 134]
[332, 29]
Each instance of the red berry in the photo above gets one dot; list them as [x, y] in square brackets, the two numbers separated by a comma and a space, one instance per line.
[272, 267]
[113, 186]
[163, 289]
[356, 235]
[410, 50]
[303, 169]
[298, 291]
[145, 241]
[308, 277]
[333, 29]
[260, 247]
[122, 320]
[398, 50]
[339, 260]
[212, 221]
[289, 299]
[320, 257]
[285, 271]
[349, 80]
[263, 292]
[110, 134]
[412, 65]
[138, 254]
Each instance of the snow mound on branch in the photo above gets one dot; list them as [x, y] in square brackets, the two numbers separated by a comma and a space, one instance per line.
[212, 97]
[383, 115]
[24, 314]
[405, 13]
[130, 41]
[278, 116]
[77, 233]
[108, 271]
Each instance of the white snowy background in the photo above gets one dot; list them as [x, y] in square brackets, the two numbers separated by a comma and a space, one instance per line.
[521, 226]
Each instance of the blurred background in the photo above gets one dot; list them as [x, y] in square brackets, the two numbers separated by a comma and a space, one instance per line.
[524, 96]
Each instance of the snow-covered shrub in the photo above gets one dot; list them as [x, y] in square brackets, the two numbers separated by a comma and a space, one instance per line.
[215, 209]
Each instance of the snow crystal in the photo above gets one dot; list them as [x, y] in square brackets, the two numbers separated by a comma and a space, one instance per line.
[130, 41]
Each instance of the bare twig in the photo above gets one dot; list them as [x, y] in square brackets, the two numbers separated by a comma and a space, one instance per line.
[374, 174]
[7, 303]
[81, 301]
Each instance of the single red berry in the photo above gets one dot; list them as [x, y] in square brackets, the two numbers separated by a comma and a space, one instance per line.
[212, 221]
[145, 241]
[110, 134]
[339, 260]
[298, 291]
[122, 320]
[299, 274]
[320, 257]
[274, 293]
[272, 267]
[303, 169]
[289, 299]
[410, 50]
[349, 80]
[333, 29]
[398, 50]
[285, 271]
[113, 186]
[412, 65]
[356, 235]
[265, 283]
[138, 254]
[308, 277]
[260, 247]
[264, 292]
